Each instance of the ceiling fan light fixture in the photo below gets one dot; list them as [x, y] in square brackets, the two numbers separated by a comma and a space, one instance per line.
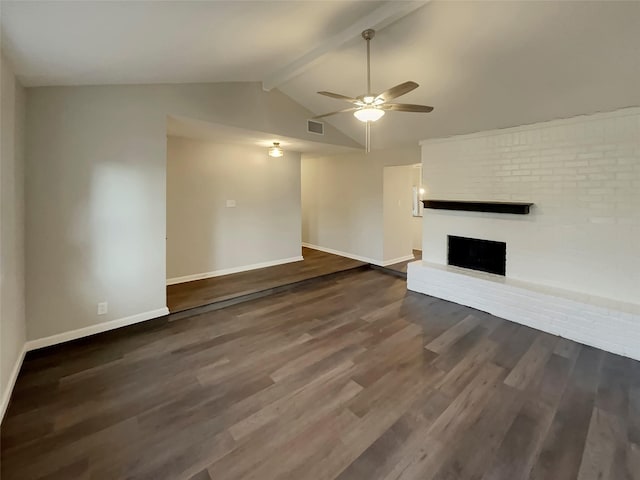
[276, 151]
[370, 107]
[368, 114]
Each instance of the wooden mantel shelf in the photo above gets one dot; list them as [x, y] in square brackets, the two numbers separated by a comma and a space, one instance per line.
[517, 208]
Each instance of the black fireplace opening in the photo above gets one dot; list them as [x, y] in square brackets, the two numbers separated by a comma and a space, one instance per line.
[484, 255]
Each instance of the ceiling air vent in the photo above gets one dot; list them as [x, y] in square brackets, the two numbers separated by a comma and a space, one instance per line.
[315, 127]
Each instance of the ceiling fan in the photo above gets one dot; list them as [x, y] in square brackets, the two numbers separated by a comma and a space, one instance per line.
[370, 106]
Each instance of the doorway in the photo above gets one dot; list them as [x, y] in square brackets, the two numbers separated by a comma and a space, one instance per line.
[402, 215]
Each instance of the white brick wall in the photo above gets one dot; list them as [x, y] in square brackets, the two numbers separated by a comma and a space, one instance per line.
[583, 235]
[614, 327]
[583, 174]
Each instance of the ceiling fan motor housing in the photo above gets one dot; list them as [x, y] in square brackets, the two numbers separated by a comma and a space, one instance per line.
[368, 34]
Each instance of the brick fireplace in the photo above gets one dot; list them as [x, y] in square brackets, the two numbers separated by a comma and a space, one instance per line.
[572, 264]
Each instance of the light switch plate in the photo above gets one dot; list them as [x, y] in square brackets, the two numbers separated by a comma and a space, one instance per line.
[231, 203]
[103, 307]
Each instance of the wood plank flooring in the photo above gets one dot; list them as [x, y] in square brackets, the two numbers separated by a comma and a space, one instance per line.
[402, 266]
[189, 295]
[352, 378]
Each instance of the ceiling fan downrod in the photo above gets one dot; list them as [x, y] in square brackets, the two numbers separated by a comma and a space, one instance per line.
[368, 34]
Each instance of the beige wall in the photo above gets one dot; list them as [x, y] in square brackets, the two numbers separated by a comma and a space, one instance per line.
[204, 236]
[12, 254]
[342, 200]
[416, 222]
[96, 191]
[397, 215]
[416, 236]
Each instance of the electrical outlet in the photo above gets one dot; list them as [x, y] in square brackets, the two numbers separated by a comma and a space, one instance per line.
[231, 203]
[102, 308]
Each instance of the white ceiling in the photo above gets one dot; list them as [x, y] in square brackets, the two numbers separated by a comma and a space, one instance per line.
[481, 64]
[107, 42]
[212, 132]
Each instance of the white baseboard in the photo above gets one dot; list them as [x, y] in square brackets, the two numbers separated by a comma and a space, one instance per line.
[72, 335]
[228, 271]
[6, 396]
[344, 254]
[93, 329]
[393, 261]
[373, 261]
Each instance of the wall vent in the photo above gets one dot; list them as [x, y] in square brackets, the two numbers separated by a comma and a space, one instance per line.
[315, 127]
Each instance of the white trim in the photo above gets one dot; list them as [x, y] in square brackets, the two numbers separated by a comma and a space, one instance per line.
[623, 112]
[372, 261]
[93, 329]
[393, 261]
[228, 271]
[6, 397]
[344, 254]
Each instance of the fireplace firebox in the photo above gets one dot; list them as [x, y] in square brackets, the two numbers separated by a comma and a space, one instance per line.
[483, 255]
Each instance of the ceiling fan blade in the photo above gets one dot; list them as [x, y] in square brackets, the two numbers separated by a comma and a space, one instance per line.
[352, 109]
[407, 107]
[338, 96]
[397, 91]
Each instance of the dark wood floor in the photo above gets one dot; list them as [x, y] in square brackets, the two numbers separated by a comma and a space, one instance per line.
[188, 295]
[352, 379]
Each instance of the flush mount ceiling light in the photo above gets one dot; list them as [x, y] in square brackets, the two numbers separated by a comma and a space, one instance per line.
[276, 151]
[371, 107]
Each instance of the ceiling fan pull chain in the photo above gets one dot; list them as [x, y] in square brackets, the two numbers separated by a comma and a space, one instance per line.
[367, 136]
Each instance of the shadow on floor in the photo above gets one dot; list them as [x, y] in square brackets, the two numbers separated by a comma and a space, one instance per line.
[316, 264]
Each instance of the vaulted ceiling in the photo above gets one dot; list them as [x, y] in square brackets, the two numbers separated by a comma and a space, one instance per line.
[482, 65]
[105, 42]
